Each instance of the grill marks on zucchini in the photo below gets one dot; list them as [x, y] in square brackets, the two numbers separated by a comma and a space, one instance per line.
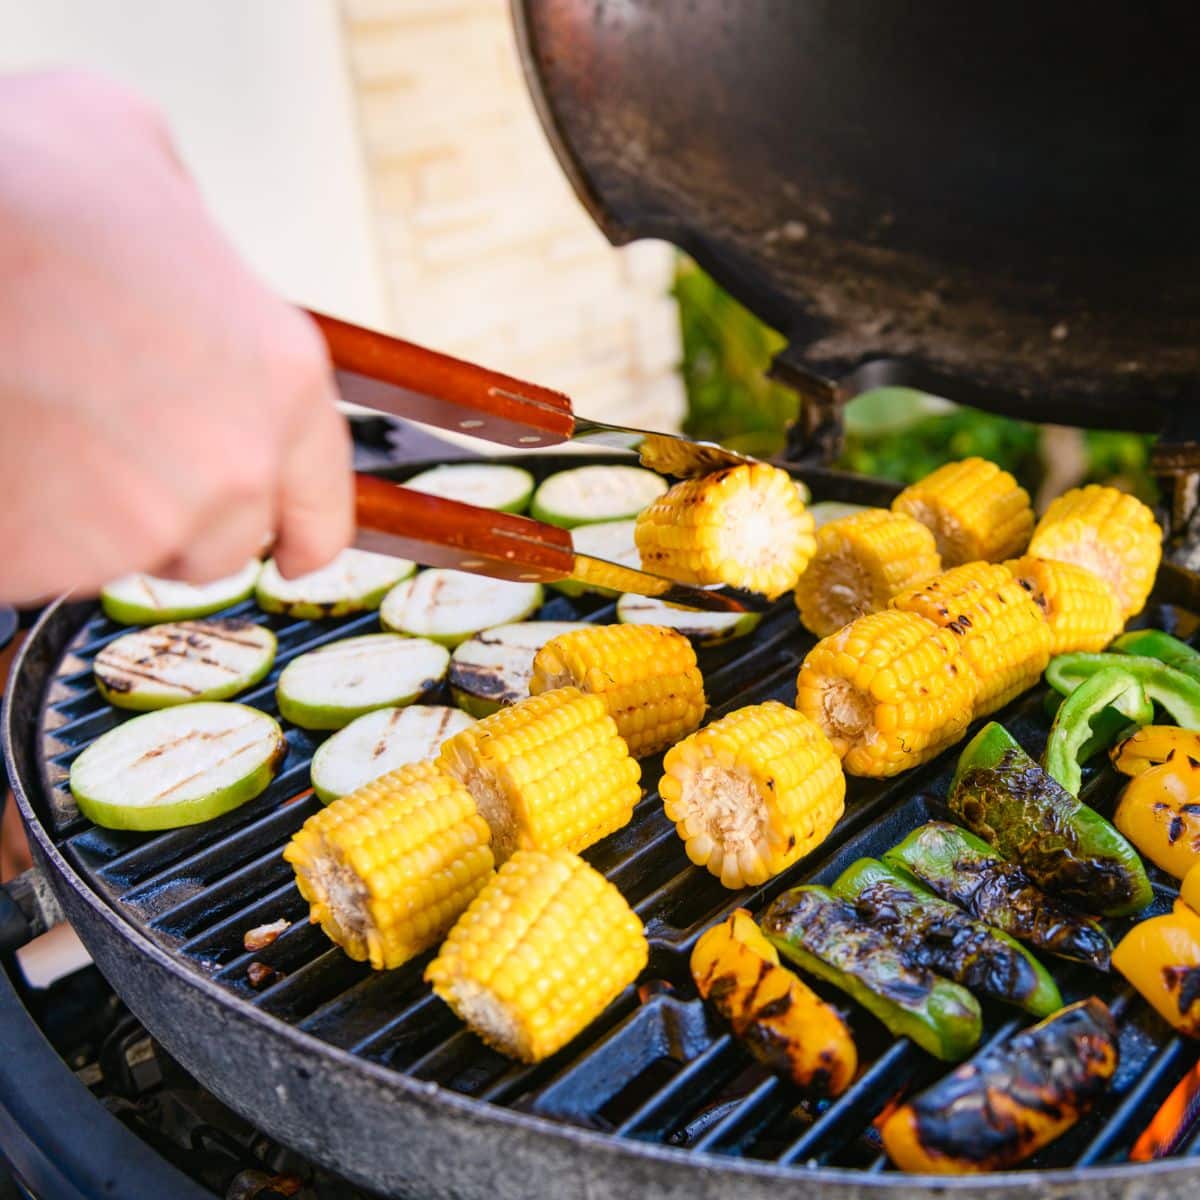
[451, 606]
[356, 581]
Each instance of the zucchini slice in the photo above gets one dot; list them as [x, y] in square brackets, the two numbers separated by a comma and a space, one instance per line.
[356, 581]
[379, 742]
[492, 669]
[701, 628]
[183, 662]
[177, 767]
[450, 606]
[486, 485]
[329, 687]
[585, 495]
[147, 600]
[610, 540]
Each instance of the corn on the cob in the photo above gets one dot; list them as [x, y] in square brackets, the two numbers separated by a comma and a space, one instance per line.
[976, 511]
[549, 772]
[890, 690]
[746, 527]
[645, 674]
[753, 792]
[539, 954]
[1112, 534]
[1002, 632]
[861, 562]
[388, 869]
[1080, 608]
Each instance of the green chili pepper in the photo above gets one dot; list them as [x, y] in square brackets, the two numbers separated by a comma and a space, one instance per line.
[1177, 693]
[1155, 643]
[932, 933]
[824, 936]
[1065, 847]
[965, 870]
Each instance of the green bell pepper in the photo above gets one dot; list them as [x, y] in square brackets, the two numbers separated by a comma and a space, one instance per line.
[1155, 643]
[1177, 693]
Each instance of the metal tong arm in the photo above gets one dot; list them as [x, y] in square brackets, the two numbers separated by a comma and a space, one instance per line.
[393, 376]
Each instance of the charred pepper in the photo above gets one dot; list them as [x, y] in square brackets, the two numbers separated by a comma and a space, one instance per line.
[824, 936]
[1065, 847]
[1161, 958]
[1011, 1099]
[1155, 744]
[961, 868]
[1159, 811]
[932, 933]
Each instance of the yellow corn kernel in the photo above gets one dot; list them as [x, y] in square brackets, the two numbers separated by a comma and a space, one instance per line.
[387, 869]
[1002, 632]
[1112, 534]
[645, 674]
[754, 792]
[861, 562]
[1080, 608]
[548, 772]
[890, 690]
[539, 954]
[746, 527]
[976, 511]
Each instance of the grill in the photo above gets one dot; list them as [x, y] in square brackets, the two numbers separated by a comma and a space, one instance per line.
[371, 1075]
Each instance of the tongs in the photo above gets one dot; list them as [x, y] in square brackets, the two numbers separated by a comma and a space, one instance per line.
[392, 376]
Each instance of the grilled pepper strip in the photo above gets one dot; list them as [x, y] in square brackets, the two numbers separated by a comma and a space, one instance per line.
[1154, 643]
[772, 1012]
[1189, 891]
[1011, 1099]
[1161, 958]
[961, 868]
[823, 935]
[932, 933]
[1072, 728]
[1108, 726]
[1159, 812]
[1179, 694]
[1152, 745]
[1065, 847]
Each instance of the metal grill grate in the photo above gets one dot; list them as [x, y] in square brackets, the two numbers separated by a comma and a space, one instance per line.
[657, 1067]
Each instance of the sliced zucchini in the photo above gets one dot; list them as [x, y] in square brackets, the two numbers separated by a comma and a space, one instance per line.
[177, 767]
[147, 600]
[450, 606]
[702, 628]
[825, 511]
[585, 495]
[356, 581]
[183, 662]
[486, 485]
[610, 540]
[379, 742]
[329, 687]
[493, 668]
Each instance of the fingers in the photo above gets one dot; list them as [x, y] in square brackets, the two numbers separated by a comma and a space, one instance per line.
[223, 543]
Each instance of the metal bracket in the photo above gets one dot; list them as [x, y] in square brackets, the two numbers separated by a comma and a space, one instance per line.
[817, 434]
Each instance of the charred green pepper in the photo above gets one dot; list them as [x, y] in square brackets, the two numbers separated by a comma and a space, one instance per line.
[824, 936]
[932, 933]
[959, 867]
[1065, 847]
[1179, 694]
[1155, 643]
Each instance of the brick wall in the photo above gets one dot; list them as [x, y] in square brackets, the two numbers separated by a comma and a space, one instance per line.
[486, 252]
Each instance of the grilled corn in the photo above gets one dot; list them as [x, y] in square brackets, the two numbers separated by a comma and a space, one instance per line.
[539, 954]
[548, 772]
[862, 561]
[1081, 609]
[753, 792]
[645, 674]
[387, 869]
[746, 527]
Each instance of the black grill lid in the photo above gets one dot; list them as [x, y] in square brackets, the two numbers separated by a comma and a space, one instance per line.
[995, 201]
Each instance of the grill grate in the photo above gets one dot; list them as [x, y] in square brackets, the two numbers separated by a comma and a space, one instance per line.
[657, 1067]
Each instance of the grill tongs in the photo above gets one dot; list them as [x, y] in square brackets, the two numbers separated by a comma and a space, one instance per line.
[396, 377]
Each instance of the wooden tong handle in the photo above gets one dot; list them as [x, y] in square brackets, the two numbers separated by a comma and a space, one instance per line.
[444, 533]
[393, 376]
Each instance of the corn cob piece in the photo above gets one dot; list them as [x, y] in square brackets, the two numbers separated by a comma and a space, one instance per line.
[753, 792]
[746, 527]
[539, 954]
[1002, 632]
[976, 511]
[1080, 608]
[548, 772]
[1112, 534]
[645, 674]
[890, 690]
[387, 869]
[861, 562]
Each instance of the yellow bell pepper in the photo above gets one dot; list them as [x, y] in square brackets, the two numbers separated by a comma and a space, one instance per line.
[1161, 958]
[1189, 891]
[1154, 744]
[1159, 812]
